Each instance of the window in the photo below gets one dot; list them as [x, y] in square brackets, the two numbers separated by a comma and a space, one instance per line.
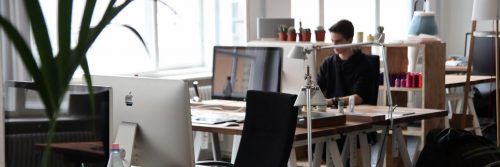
[366, 15]
[179, 35]
[394, 19]
[360, 12]
[307, 12]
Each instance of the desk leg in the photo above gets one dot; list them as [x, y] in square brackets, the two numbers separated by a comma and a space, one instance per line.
[403, 151]
[216, 153]
[472, 110]
[450, 105]
[318, 151]
[292, 160]
[198, 141]
[236, 145]
[365, 150]
[345, 150]
[353, 152]
[380, 162]
[334, 154]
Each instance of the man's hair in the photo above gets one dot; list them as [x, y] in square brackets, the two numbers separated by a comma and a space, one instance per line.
[343, 27]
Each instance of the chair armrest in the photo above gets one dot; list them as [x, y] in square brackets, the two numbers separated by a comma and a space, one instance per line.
[214, 163]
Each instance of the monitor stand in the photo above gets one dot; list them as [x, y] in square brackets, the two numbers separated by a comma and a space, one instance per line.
[126, 138]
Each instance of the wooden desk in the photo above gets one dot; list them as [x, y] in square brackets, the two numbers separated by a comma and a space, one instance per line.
[78, 152]
[455, 99]
[456, 68]
[399, 120]
[319, 135]
[300, 133]
[418, 113]
[352, 128]
[459, 80]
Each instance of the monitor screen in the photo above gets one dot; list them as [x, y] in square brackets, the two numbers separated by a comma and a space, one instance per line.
[267, 28]
[484, 53]
[238, 69]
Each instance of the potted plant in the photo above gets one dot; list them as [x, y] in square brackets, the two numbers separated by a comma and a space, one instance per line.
[55, 68]
[292, 35]
[320, 33]
[282, 32]
[306, 35]
[300, 31]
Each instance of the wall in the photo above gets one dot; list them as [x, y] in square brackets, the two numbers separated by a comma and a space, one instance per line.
[456, 21]
[267, 9]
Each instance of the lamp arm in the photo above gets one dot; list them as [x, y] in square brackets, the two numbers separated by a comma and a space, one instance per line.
[349, 45]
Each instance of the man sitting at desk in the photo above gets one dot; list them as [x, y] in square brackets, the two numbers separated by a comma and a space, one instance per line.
[346, 72]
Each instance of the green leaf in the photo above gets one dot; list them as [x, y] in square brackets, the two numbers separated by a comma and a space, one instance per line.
[28, 60]
[110, 13]
[88, 80]
[86, 20]
[136, 33]
[21, 46]
[65, 8]
[42, 41]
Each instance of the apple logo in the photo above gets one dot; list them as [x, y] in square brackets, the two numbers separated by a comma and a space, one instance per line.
[128, 99]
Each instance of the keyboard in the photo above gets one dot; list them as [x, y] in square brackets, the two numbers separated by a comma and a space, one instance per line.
[217, 118]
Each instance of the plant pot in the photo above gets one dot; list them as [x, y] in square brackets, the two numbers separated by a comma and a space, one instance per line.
[306, 37]
[282, 36]
[292, 36]
[320, 35]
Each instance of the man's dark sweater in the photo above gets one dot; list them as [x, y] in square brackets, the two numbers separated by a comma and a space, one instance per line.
[338, 78]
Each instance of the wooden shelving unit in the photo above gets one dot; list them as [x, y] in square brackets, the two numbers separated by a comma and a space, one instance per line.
[400, 89]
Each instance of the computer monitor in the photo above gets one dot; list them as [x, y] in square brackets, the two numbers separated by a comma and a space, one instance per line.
[161, 110]
[267, 28]
[26, 125]
[238, 69]
[484, 53]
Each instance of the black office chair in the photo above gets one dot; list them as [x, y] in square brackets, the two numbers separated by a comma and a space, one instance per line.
[374, 79]
[268, 132]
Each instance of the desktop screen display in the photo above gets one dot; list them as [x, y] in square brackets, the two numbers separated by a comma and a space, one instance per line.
[484, 53]
[238, 69]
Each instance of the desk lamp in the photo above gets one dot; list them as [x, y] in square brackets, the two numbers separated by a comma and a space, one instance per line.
[484, 10]
[310, 94]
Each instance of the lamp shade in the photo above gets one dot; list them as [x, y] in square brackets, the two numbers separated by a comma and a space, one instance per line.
[297, 52]
[423, 23]
[317, 98]
[486, 10]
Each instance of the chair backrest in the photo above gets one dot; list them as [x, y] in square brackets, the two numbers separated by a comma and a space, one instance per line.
[269, 130]
[374, 79]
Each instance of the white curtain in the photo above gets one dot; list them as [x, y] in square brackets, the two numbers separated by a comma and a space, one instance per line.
[12, 67]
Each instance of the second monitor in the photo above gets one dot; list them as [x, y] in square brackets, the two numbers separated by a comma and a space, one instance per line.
[238, 69]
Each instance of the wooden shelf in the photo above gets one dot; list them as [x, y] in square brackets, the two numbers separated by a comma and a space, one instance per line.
[401, 89]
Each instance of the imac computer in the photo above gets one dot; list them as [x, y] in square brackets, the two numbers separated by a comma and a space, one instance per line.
[267, 28]
[238, 69]
[150, 120]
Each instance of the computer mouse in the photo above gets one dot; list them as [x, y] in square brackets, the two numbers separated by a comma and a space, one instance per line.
[231, 124]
